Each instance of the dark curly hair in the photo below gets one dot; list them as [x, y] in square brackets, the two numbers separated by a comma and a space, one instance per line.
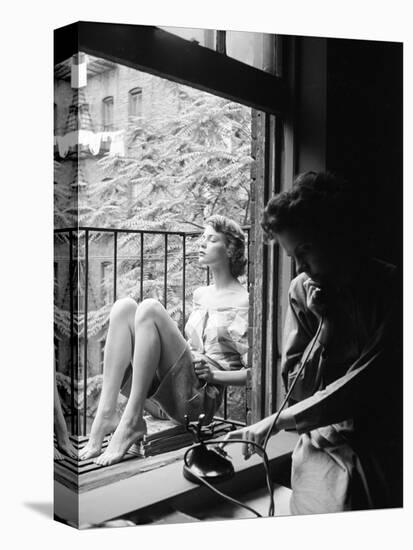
[321, 205]
[235, 240]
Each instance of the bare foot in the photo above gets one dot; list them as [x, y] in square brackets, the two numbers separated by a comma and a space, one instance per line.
[124, 437]
[66, 447]
[58, 455]
[102, 426]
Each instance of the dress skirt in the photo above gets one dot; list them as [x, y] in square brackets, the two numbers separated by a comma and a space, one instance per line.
[333, 473]
[181, 392]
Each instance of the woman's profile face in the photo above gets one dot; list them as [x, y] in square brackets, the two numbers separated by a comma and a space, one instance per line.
[213, 248]
[310, 257]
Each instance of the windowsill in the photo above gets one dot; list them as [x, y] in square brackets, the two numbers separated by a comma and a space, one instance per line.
[139, 483]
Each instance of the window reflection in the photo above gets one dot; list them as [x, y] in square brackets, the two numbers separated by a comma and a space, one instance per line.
[138, 151]
[252, 48]
[203, 37]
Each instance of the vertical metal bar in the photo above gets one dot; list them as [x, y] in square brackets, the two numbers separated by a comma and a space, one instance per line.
[226, 403]
[85, 330]
[72, 338]
[246, 402]
[165, 272]
[208, 275]
[115, 264]
[248, 258]
[141, 270]
[183, 280]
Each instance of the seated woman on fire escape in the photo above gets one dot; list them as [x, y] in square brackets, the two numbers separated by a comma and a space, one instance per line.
[146, 356]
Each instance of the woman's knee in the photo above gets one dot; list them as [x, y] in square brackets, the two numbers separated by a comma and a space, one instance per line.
[124, 308]
[149, 310]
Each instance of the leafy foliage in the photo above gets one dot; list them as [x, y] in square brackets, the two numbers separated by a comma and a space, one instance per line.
[189, 159]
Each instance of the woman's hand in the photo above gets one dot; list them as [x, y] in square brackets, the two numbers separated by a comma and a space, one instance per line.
[316, 298]
[321, 303]
[203, 370]
[256, 433]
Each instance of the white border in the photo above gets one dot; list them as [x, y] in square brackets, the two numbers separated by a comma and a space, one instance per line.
[26, 273]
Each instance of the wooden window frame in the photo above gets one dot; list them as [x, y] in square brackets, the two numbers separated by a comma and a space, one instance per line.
[158, 52]
[153, 50]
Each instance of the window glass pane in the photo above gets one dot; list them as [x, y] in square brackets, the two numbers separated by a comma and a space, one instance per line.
[155, 157]
[65, 215]
[203, 37]
[107, 115]
[253, 48]
[135, 102]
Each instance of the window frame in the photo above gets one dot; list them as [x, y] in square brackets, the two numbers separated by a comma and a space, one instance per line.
[151, 49]
[108, 105]
[133, 94]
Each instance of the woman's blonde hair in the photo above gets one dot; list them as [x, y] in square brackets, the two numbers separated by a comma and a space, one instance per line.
[235, 240]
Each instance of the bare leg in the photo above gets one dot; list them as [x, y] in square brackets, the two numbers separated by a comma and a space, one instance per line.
[118, 355]
[60, 429]
[158, 345]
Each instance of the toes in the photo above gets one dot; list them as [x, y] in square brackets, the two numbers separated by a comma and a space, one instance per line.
[101, 460]
[58, 455]
[88, 452]
[107, 460]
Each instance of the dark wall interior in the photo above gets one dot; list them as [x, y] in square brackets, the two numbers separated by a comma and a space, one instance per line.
[364, 136]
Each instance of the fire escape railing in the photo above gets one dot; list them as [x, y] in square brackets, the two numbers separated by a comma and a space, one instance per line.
[74, 236]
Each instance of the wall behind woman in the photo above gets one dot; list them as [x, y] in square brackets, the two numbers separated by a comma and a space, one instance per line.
[349, 113]
[364, 137]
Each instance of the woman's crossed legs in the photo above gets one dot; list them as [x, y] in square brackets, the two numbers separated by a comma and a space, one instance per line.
[147, 337]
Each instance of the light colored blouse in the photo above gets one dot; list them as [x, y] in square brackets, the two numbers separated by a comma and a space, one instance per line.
[219, 334]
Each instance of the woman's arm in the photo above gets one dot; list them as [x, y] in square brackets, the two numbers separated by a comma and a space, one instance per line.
[299, 334]
[258, 432]
[371, 386]
[230, 378]
[223, 378]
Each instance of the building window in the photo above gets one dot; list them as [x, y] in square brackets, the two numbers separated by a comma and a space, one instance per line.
[101, 354]
[135, 102]
[105, 269]
[107, 114]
